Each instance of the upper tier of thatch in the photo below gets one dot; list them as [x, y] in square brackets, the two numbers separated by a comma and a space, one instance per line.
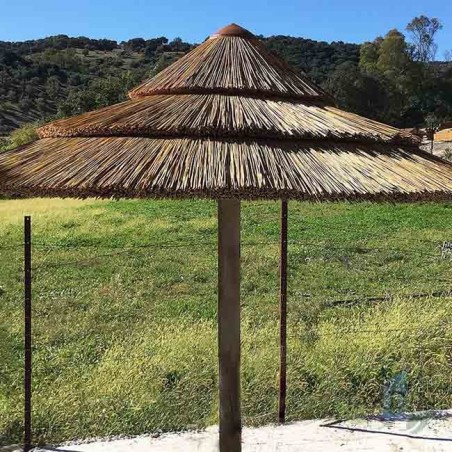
[229, 119]
[231, 63]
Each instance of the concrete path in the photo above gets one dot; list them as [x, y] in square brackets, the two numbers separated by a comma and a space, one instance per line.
[426, 435]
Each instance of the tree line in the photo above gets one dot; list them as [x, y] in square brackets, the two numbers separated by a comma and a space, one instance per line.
[394, 78]
[397, 79]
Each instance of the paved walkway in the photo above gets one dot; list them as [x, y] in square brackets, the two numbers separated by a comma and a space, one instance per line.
[428, 435]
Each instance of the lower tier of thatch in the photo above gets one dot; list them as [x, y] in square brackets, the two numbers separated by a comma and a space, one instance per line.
[152, 167]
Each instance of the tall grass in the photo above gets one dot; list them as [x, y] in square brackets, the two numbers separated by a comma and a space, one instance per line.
[125, 313]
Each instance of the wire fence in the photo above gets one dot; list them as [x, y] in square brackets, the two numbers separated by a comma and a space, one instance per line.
[44, 259]
[50, 256]
[194, 244]
[197, 242]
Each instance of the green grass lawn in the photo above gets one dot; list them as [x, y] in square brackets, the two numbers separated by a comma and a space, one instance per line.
[125, 313]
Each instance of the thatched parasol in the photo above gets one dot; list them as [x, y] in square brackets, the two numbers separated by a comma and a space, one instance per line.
[227, 121]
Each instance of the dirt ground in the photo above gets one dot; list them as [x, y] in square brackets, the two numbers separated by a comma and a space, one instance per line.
[396, 434]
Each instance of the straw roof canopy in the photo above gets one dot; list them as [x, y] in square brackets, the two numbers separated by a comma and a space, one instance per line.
[229, 119]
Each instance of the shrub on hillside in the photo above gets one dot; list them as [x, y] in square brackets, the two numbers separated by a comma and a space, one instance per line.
[23, 135]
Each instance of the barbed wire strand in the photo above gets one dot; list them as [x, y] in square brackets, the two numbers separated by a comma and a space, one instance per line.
[376, 331]
[195, 243]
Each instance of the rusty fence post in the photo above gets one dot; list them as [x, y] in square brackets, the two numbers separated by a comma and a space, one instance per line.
[27, 334]
[283, 315]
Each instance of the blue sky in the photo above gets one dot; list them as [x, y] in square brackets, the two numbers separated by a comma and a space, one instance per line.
[345, 20]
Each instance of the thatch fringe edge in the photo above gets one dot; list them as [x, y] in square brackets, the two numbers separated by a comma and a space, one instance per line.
[114, 193]
[233, 136]
[253, 93]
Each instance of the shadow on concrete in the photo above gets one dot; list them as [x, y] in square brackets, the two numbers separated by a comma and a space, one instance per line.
[335, 424]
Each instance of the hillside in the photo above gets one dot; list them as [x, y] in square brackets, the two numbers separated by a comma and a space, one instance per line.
[46, 77]
[61, 76]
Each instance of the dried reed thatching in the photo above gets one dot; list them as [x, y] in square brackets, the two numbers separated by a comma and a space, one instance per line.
[231, 63]
[218, 115]
[227, 120]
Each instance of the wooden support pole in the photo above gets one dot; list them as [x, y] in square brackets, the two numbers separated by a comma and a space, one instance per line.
[229, 324]
[27, 333]
[283, 315]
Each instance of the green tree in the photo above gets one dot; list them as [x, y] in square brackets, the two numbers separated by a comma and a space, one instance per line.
[422, 30]
[100, 93]
[52, 87]
[402, 78]
[357, 91]
[393, 54]
[165, 60]
[368, 55]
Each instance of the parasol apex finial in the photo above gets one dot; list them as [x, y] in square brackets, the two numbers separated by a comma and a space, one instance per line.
[233, 30]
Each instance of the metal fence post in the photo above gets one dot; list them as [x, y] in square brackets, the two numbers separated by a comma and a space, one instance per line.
[283, 315]
[27, 334]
